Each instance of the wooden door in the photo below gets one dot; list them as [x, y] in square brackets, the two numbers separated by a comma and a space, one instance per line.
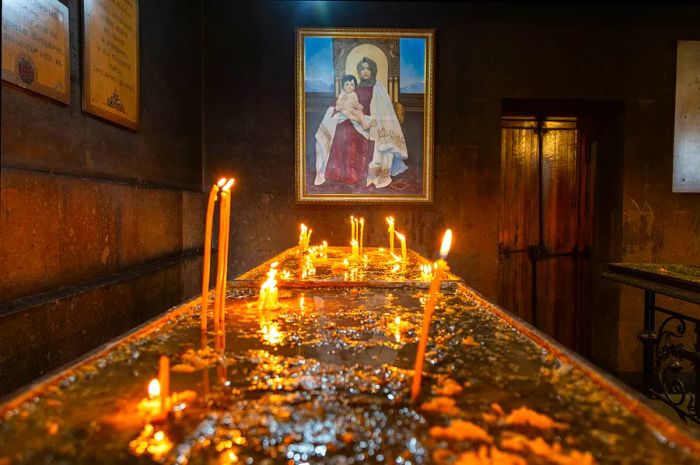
[545, 226]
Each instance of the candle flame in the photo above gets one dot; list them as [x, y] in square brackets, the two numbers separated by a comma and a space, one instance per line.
[353, 243]
[221, 182]
[390, 220]
[154, 389]
[303, 228]
[446, 243]
[228, 185]
[400, 236]
[362, 221]
[397, 320]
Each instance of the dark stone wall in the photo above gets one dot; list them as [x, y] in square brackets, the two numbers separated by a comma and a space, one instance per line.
[99, 224]
[622, 56]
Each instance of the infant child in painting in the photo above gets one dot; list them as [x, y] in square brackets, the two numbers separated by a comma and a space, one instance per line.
[347, 102]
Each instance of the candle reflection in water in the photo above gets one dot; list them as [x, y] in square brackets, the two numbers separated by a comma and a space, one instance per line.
[271, 332]
[152, 442]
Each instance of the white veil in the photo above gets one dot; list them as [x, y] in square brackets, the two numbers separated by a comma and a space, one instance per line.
[389, 142]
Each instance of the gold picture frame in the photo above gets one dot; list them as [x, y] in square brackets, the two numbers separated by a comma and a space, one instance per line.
[364, 102]
[111, 61]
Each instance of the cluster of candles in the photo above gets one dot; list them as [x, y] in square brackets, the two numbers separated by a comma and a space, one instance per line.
[160, 401]
[224, 185]
[304, 238]
[357, 236]
[426, 271]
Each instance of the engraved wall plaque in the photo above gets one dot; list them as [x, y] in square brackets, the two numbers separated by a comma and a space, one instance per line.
[686, 138]
[111, 60]
[35, 47]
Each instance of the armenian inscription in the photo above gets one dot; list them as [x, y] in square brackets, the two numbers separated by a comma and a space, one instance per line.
[35, 47]
[112, 61]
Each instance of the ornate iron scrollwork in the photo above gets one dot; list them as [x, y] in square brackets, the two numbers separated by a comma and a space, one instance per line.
[673, 361]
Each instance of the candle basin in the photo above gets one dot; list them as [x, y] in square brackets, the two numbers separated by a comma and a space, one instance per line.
[326, 379]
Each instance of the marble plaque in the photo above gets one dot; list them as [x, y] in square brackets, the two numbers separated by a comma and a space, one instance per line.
[111, 60]
[35, 47]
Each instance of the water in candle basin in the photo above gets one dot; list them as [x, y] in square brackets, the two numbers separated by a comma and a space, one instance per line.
[329, 384]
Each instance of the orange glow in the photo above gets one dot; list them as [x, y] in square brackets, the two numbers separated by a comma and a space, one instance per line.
[153, 389]
[271, 333]
[228, 185]
[446, 243]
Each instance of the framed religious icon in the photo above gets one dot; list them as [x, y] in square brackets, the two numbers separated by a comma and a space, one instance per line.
[35, 48]
[111, 60]
[364, 115]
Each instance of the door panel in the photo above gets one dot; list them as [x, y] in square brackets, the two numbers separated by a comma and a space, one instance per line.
[544, 225]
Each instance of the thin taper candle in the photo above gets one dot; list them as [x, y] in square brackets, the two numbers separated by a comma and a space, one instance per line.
[352, 228]
[390, 221]
[362, 236]
[207, 250]
[220, 284]
[428, 314]
[227, 220]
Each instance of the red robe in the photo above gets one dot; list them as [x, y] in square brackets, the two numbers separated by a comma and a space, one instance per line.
[350, 150]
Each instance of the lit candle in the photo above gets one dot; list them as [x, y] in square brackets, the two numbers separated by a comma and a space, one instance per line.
[362, 235]
[402, 238]
[352, 228]
[426, 272]
[355, 248]
[267, 299]
[207, 250]
[304, 237]
[164, 380]
[220, 293]
[390, 221]
[151, 406]
[227, 238]
[428, 314]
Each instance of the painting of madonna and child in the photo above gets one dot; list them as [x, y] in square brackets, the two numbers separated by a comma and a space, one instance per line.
[364, 115]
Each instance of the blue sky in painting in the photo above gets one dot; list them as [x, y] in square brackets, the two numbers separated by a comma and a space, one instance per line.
[319, 65]
[412, 53]
[318, 61]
